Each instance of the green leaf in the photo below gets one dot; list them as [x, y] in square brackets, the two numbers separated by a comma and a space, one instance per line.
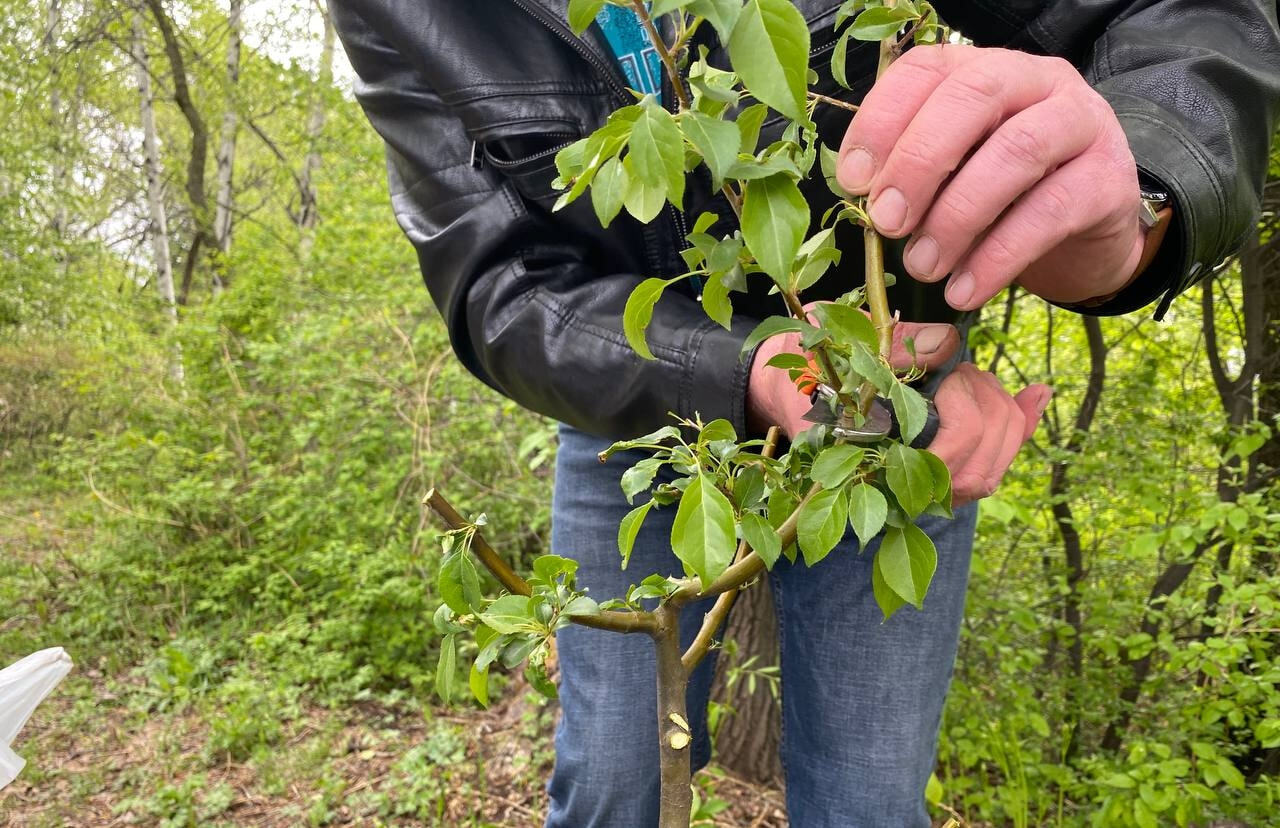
[721, 14]
[716, 303]
[508, 614]
[715, 140]
[644, 199]
[867, 512]
[657, 150]
[478, 681]
[748, 487]
[849, 324]
[829, 159]
[775, 217]
[609, 189]
[909, 478]
[702, 535]
[836, 465]
[580, 605]
[536, 675]
[459, 582]
[749, 122]
[639, 477]
[867, 362]
[447, 668]
[821, 525]
[840, 60]
[819, 253]
[879, 22]
[582, 13]
[762, 538]
[788, 361]
[661, 7]
[629, 528]
[769, 49]
[933, 790]
[548, 567]
[770, 327]
[910, 408]
[718, 429]
[888, 600]
[907, 560]
[941, 481]
[639, 312]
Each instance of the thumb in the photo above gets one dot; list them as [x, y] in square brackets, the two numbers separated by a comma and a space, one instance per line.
[934, 344]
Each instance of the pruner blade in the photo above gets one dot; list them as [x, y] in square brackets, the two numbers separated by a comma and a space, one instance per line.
[879, 423]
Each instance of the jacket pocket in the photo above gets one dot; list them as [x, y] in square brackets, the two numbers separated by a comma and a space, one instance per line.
[528, 160]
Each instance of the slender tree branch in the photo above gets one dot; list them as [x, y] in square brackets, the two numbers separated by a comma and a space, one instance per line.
[715, 617]
[664, 53]
[626, 622]
[829, 101]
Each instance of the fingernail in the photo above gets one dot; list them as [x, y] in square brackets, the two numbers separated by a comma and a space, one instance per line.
[922, 257]
[930, 339]
[889, 211]
[960, 290]
[856, 169]
[1044, 401]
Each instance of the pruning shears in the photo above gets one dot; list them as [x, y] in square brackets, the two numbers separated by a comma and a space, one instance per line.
[879, 423]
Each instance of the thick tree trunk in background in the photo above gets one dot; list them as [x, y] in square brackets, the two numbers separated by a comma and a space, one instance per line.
[308, 214]
[225, 198]
[155, 188]
[749, 740]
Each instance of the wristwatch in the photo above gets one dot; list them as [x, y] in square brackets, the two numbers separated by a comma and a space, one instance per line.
[1152, 207]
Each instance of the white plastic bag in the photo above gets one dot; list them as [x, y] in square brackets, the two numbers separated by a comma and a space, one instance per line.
[23, 685]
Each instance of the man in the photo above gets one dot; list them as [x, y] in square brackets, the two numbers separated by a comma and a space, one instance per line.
[1019, 159]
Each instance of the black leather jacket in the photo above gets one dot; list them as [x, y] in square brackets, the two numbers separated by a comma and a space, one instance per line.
[474, 97]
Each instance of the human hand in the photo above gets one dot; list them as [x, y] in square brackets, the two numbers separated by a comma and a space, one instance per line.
[1002, 166]
[981, 427]
[772, 398]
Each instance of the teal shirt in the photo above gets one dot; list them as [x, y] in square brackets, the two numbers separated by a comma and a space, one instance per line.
[632, 49]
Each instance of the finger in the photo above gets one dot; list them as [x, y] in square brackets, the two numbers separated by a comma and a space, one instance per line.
[889, 107]
[1012, 438]
[1060, 206]
[958, 419]
[934, 344]
[1033, 400]
[1008, 164]
[974, 479]
[974, 99]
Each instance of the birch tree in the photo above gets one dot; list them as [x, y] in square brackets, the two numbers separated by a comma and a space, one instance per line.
[155, 189]
[225, 198]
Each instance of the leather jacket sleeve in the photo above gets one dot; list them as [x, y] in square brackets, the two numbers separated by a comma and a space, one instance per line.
[1196, 87]
[531, 305]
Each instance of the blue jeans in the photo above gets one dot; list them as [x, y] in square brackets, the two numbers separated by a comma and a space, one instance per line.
[861, 700]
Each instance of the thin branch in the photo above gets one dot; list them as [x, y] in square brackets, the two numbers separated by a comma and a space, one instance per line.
[642, 12]
[829, 101]
[614, 621]
[714, 619]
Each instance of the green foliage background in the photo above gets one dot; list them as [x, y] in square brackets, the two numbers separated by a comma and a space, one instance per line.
[253, 543]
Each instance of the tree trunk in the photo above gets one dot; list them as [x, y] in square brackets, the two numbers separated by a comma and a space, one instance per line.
[50, 43]
[749, 738]
[155, 190]
[308, 215]
[196, 193]
[222, 220]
